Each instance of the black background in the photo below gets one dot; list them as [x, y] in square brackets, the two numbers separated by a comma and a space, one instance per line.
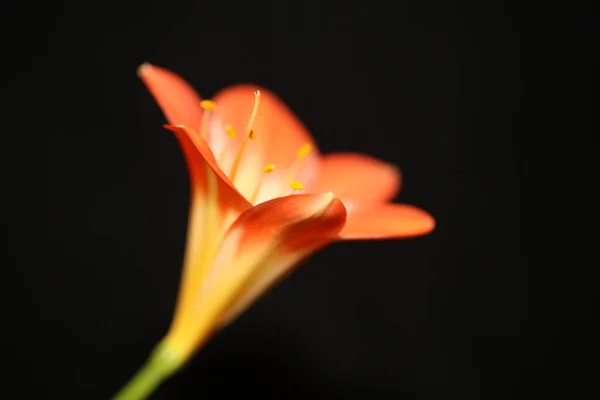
[437, 88]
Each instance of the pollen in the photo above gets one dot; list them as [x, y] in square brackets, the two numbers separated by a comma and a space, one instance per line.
[269, 168]
[230, 131]
[296, 166]
[208, 105]
[303, 151]
[296, 185]
[252, 134]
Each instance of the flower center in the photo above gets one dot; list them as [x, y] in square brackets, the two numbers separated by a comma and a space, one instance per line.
[292, 172]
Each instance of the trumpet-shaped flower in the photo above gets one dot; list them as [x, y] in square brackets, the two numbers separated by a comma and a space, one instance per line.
[262, 199]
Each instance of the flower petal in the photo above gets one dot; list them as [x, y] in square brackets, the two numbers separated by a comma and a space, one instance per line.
[302, 238]
[358, 178]
[193, 146]
[260, 247]
[215, 204]
[279, 136]
[177, 99]
[386, 221]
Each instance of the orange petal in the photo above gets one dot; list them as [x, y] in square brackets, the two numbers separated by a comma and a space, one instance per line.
[215, 204]
[179, 101]
[283, 231]
[387, 221]
[358, 178]
[279, 135]
[262, 245]
[198, 157]
[293, 222]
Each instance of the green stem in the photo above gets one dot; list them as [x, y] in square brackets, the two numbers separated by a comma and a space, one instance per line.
[159, 367]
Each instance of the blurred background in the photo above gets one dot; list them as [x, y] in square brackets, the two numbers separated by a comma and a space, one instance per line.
[436, 87]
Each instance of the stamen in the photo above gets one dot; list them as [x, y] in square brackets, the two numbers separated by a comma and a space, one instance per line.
[268, 168]
[301, 154]
[208, 106]
[254, 112]
[303, 151]
[230, 132]
[250, 135]
[296, 186]
[232, 135]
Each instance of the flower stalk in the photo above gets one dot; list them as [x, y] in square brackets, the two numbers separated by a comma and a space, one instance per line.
[160, 366]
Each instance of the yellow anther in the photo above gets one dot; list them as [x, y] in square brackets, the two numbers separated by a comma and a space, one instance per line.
[296, 166]
[230, 131]
[303, 151]
[208, 105]
[232, 135]
[296, 185]
[252, 134]
[269, 168]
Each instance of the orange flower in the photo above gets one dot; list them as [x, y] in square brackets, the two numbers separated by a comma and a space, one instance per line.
[263, 199]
